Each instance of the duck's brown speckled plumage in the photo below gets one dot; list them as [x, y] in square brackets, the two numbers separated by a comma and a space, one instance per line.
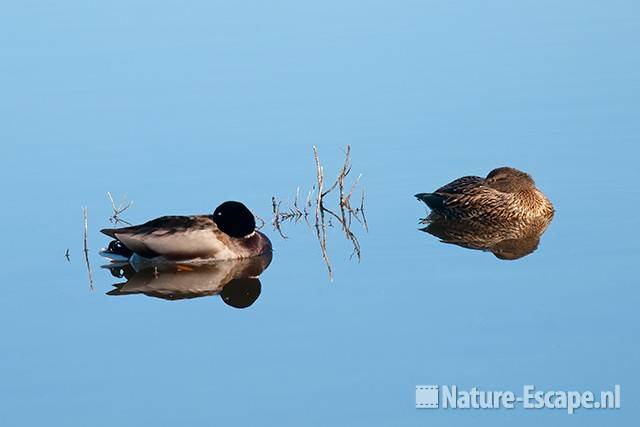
[506, 194]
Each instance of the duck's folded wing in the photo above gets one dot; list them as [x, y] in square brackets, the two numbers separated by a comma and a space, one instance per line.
[451, 192]
[163, 223]
[171, 236]
[460, 185]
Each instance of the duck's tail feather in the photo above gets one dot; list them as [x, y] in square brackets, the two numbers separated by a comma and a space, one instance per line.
[111, 232]
[433, 200]
[117, 290]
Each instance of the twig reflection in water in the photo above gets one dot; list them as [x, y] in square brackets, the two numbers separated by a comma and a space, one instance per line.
[322, 214]
[236, 281]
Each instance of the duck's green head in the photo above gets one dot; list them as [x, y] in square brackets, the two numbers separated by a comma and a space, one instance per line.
[509, 180]
[234, 219]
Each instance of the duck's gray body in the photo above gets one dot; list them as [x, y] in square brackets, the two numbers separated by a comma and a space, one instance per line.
[181, 238]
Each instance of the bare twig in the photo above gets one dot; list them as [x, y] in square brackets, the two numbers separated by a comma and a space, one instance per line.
[346, 168]
[349, 234]
[277, 216]
[345, 210]
[86, 246]
[118, 210]
[346, 200]
[320, 179]
[259, 221]
[321, 230]
[361, 210]
[307, 203]
[296, 210]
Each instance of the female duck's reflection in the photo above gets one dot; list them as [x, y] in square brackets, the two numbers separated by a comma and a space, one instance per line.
[506, 240]
[236, 281]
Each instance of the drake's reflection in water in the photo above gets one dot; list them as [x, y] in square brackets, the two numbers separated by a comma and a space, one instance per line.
[506, 240]
[236, 281]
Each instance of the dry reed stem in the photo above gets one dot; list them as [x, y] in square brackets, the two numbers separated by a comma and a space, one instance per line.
[86, 245]
[320, 180]
[346, 211]
[259, 221]
[118, 210]
[364, 217]
[278, 217]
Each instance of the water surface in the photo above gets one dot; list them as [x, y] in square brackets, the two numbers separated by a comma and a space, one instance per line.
[181, 107]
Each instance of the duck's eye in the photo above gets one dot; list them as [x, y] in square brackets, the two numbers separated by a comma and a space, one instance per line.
[234, 219]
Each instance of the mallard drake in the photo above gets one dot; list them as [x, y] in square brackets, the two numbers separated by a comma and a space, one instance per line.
[506, 194]
[230, 233]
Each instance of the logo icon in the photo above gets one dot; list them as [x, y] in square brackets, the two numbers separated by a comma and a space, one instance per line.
[426, 396]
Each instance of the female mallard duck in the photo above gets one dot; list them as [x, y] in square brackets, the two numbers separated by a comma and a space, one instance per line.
[230, 233]
[506, 194]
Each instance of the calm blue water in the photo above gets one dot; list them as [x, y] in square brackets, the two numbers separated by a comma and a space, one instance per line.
[182, 106]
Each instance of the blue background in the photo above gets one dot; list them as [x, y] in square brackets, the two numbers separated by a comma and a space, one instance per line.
[181, 105]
